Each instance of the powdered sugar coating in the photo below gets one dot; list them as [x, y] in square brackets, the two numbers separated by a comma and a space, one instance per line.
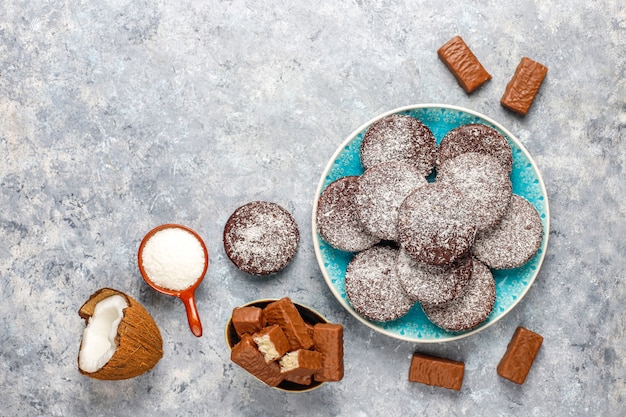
[475, 138]
[381, 190]
[372, 287]
[472, 307]
[430, 284]
[484, 183]
[337, 220]
[433, 224]
[514, 240]
[261, 238]
[399, 138]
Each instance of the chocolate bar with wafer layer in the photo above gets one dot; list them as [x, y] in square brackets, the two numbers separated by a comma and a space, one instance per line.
[248, 320]
[272, 342]
[520, 355]
[328, 340]
[285, 314]
[301, 363]
[246, 355]
[461, 61]
[439, 372]
[520, 92]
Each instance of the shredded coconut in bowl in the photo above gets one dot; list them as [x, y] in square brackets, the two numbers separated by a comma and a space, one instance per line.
[173, 258]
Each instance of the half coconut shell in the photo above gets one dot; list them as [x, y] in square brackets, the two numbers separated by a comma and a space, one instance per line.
[139, 343]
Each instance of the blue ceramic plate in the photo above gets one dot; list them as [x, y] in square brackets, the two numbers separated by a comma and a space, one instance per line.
[511, 285]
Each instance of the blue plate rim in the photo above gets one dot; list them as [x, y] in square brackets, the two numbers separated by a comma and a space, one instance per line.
[316, 237]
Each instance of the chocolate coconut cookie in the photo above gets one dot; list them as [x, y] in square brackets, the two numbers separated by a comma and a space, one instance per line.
[261, 238]
[381, 190]
[434, 226]
[337, 220]
[372, 286]
[472, 307]
[514, 240]
[484, 183]
[429, 284]
[475, 138]
[399, 138]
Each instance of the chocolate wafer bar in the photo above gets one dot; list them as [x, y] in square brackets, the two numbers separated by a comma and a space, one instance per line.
[285, 314]
[328, 340]
[247, 320]
[299, 379]
[461, 61]
[301, 362]
[520, 355]
[246, 355]
[439, 372]
[521, 90]
[271, 342]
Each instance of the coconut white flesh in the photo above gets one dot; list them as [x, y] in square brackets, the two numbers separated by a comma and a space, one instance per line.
[289, 361]
[98, 345]
[266, 347]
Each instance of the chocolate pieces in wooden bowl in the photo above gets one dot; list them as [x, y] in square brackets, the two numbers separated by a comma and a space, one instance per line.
[286, 345]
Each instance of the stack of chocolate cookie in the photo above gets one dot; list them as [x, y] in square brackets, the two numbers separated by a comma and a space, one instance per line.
[428, 242]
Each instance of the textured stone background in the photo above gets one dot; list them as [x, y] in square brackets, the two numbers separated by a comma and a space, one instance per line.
[121, 115]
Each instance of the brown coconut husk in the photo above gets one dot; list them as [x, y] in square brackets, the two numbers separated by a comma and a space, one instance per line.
[139, 342]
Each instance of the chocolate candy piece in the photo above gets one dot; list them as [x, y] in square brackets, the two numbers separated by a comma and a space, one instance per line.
[299, 379]
[271, 342]
[463, 64]
[439, 372]
[519, 355]
[246, 355]
[522, 89]
[301, 363]
[285, 314]
[248, 320]
[328, 340]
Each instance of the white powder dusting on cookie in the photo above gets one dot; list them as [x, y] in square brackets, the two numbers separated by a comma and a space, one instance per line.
[261, 238]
